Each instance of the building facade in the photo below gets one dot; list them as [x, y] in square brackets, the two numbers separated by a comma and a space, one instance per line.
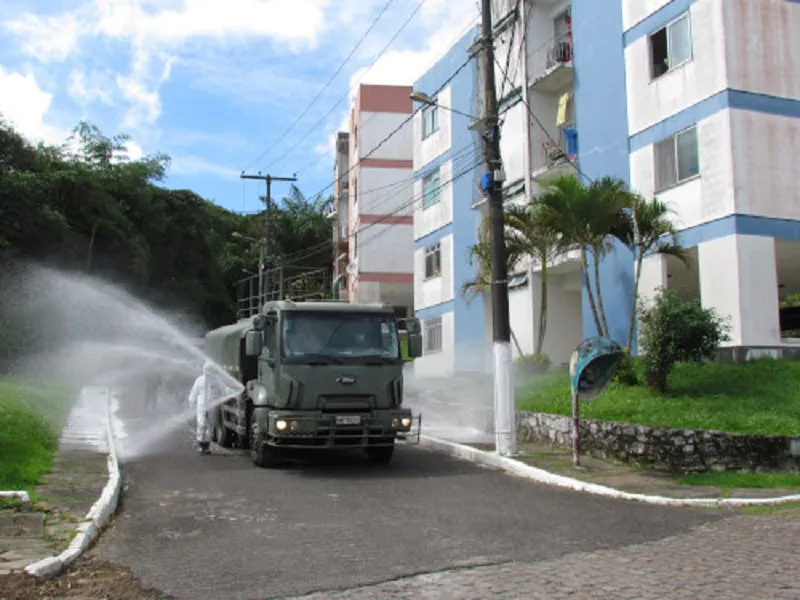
[697, 103]
[447, 157]
[379, 216]
[340, 212]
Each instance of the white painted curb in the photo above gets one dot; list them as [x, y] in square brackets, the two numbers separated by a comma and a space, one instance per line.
[95, 519]
[22, 496]
[515, 467]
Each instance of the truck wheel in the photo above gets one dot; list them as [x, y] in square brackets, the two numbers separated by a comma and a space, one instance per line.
[380, 454]
[262, 455]
[223, 434]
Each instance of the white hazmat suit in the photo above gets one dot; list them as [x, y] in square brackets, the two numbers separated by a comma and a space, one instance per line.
[200, 397]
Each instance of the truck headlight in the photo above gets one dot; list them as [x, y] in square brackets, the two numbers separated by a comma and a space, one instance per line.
[280, 424]
[406, 422]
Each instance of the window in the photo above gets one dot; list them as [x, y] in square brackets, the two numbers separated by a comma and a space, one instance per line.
[355, 191]
[677, 159]
[671, 46]
[432, 335]
[433, 261]
[430, 121]
[338, 337]
[430, 190]
[355, 245]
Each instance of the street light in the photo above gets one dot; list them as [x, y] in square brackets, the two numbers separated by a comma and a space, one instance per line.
[423, 98]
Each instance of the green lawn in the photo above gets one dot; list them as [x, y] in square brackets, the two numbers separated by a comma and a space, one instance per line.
[31, 418]
[729, 481]
[755, 397]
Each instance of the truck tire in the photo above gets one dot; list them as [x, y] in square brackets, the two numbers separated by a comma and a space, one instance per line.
[380, 454]
[261, 454]
[223, 434]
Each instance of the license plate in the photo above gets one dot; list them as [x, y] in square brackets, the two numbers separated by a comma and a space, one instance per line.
[348, 420]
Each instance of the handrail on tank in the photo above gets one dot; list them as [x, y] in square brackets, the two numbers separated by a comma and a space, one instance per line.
[282, 283]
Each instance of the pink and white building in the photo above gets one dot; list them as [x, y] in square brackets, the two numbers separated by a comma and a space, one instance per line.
[380, 249]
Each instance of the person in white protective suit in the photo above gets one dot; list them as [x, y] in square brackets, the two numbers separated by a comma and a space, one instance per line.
[200, 397]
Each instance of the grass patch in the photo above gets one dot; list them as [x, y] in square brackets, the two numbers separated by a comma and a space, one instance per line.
[728, 481]
[31, 419]
[757, 397]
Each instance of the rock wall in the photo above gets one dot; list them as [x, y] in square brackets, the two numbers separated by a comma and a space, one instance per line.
[673, 450]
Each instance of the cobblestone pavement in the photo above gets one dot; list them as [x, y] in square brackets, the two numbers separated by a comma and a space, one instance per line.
[740, 557]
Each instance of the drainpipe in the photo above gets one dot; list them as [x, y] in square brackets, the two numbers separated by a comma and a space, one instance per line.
[526, 146]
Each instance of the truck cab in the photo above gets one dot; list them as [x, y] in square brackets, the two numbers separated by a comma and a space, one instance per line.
[317, 375]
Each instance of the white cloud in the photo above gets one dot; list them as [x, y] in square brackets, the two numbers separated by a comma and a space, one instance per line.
[85, 89]
[51, 38]
[197, 165]
[158, 31]
[25, 105]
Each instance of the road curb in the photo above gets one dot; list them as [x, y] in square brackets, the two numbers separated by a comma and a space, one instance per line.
[95, 519]
[521, 469]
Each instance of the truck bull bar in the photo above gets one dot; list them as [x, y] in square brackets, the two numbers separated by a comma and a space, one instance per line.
[334, 431]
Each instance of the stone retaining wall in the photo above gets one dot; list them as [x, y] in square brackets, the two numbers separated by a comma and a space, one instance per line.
[674, 450]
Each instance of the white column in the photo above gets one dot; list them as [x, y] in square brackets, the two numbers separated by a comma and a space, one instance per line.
[654, 276]
[738, 277]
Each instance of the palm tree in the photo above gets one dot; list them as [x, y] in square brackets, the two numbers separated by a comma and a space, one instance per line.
[586, 216]
[480, 258]
[650, 231]
[528, 234]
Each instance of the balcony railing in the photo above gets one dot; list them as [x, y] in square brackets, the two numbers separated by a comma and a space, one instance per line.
[556, 155]
[551, 65]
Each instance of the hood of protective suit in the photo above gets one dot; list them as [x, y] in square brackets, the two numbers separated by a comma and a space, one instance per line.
[207, 367]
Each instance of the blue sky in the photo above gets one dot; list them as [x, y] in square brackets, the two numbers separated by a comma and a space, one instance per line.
[212, 83]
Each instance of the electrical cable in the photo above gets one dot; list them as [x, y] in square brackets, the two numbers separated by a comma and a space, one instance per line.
[325, 87]
[347, 94]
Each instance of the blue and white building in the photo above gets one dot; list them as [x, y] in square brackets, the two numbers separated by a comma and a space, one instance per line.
[446, 159]
[697, 102]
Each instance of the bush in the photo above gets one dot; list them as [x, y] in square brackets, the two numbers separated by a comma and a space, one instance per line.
[627, 373]
[676, 330]
[533, 364]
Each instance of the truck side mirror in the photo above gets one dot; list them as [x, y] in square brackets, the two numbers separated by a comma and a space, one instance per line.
[253, 343]
[259, 322]
[414, 345]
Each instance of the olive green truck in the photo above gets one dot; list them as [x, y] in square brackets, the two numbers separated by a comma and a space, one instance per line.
[321, 375]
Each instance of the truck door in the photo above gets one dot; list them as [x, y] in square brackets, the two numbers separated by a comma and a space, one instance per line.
[268, 361]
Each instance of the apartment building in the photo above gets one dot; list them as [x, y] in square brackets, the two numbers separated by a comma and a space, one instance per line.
[539, 136]
[379, 218]
[340, 212]
[697, 102]
[446, 162]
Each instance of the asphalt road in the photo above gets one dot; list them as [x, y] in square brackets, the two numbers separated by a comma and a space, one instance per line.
[218, 527]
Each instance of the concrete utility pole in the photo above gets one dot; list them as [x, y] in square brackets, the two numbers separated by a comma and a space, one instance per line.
[492, 181]
[267, 226]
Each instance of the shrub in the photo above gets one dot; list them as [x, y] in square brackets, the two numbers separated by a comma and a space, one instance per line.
[627, 373]
[533, 364]
[675, 330]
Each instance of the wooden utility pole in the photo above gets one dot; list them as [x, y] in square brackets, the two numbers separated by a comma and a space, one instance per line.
[492, 182]
[268, 246]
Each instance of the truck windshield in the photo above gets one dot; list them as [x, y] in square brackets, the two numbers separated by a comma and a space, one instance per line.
[338, 335]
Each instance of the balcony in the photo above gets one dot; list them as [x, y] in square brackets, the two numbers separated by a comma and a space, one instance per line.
[556, 157]
[551, 66]
[341, 239]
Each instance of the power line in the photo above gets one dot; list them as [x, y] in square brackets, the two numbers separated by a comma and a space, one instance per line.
[325, 87]
[306, 252]
[397, 210]
[460, 35]
[395, 130]
[347, 94]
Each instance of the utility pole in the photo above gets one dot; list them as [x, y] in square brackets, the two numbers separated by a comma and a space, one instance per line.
[267, 253]
[504, 409]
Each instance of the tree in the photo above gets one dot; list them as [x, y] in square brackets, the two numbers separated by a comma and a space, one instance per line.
[480, 258]
[528, 234]
[650, 230]
[586, 217]
[676, 330]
